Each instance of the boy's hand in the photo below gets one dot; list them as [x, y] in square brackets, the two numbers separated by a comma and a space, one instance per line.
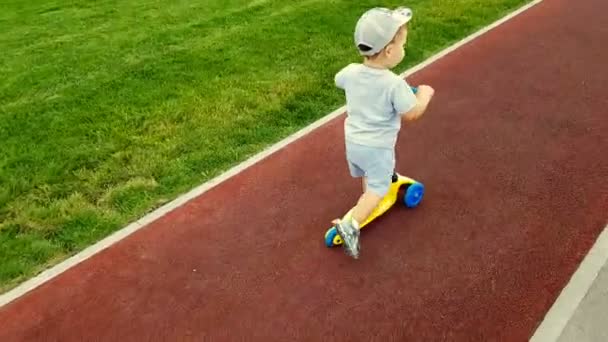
[426, 91]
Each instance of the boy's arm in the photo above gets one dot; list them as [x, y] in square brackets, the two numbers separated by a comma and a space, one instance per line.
[409, 105]
[340, 78]
[423, 97]
[403, 98]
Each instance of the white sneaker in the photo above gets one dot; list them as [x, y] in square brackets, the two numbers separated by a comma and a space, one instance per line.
[350, 236]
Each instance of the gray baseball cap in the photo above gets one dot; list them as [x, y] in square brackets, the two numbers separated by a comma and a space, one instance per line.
[377, 27]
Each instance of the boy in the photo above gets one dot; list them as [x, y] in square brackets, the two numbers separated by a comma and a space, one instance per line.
[376, 102]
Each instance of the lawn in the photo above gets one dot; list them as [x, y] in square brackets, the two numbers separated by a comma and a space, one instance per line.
[109, 109]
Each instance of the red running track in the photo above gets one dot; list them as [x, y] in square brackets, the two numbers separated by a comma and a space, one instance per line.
[513, 155]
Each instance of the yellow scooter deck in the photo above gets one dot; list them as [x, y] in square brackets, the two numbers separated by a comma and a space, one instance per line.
[333, 239]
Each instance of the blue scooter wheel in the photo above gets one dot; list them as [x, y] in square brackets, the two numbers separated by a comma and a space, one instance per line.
[330, 235]
[413, 195]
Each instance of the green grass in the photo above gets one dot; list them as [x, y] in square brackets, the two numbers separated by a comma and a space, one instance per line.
[109, 109]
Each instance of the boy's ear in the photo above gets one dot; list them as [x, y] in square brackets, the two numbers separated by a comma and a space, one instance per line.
[388, 49]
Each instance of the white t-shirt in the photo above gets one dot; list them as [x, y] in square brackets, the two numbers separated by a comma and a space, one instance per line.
[375, 98]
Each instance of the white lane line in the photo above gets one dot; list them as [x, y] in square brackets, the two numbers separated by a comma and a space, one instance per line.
[573, 293]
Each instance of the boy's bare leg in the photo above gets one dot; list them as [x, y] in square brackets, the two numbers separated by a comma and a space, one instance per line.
[365, 206]
[349, 230]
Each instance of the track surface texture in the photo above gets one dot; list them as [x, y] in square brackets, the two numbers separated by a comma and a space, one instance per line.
[513, 155]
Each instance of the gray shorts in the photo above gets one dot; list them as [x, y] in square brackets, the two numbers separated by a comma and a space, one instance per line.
[374, 163]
